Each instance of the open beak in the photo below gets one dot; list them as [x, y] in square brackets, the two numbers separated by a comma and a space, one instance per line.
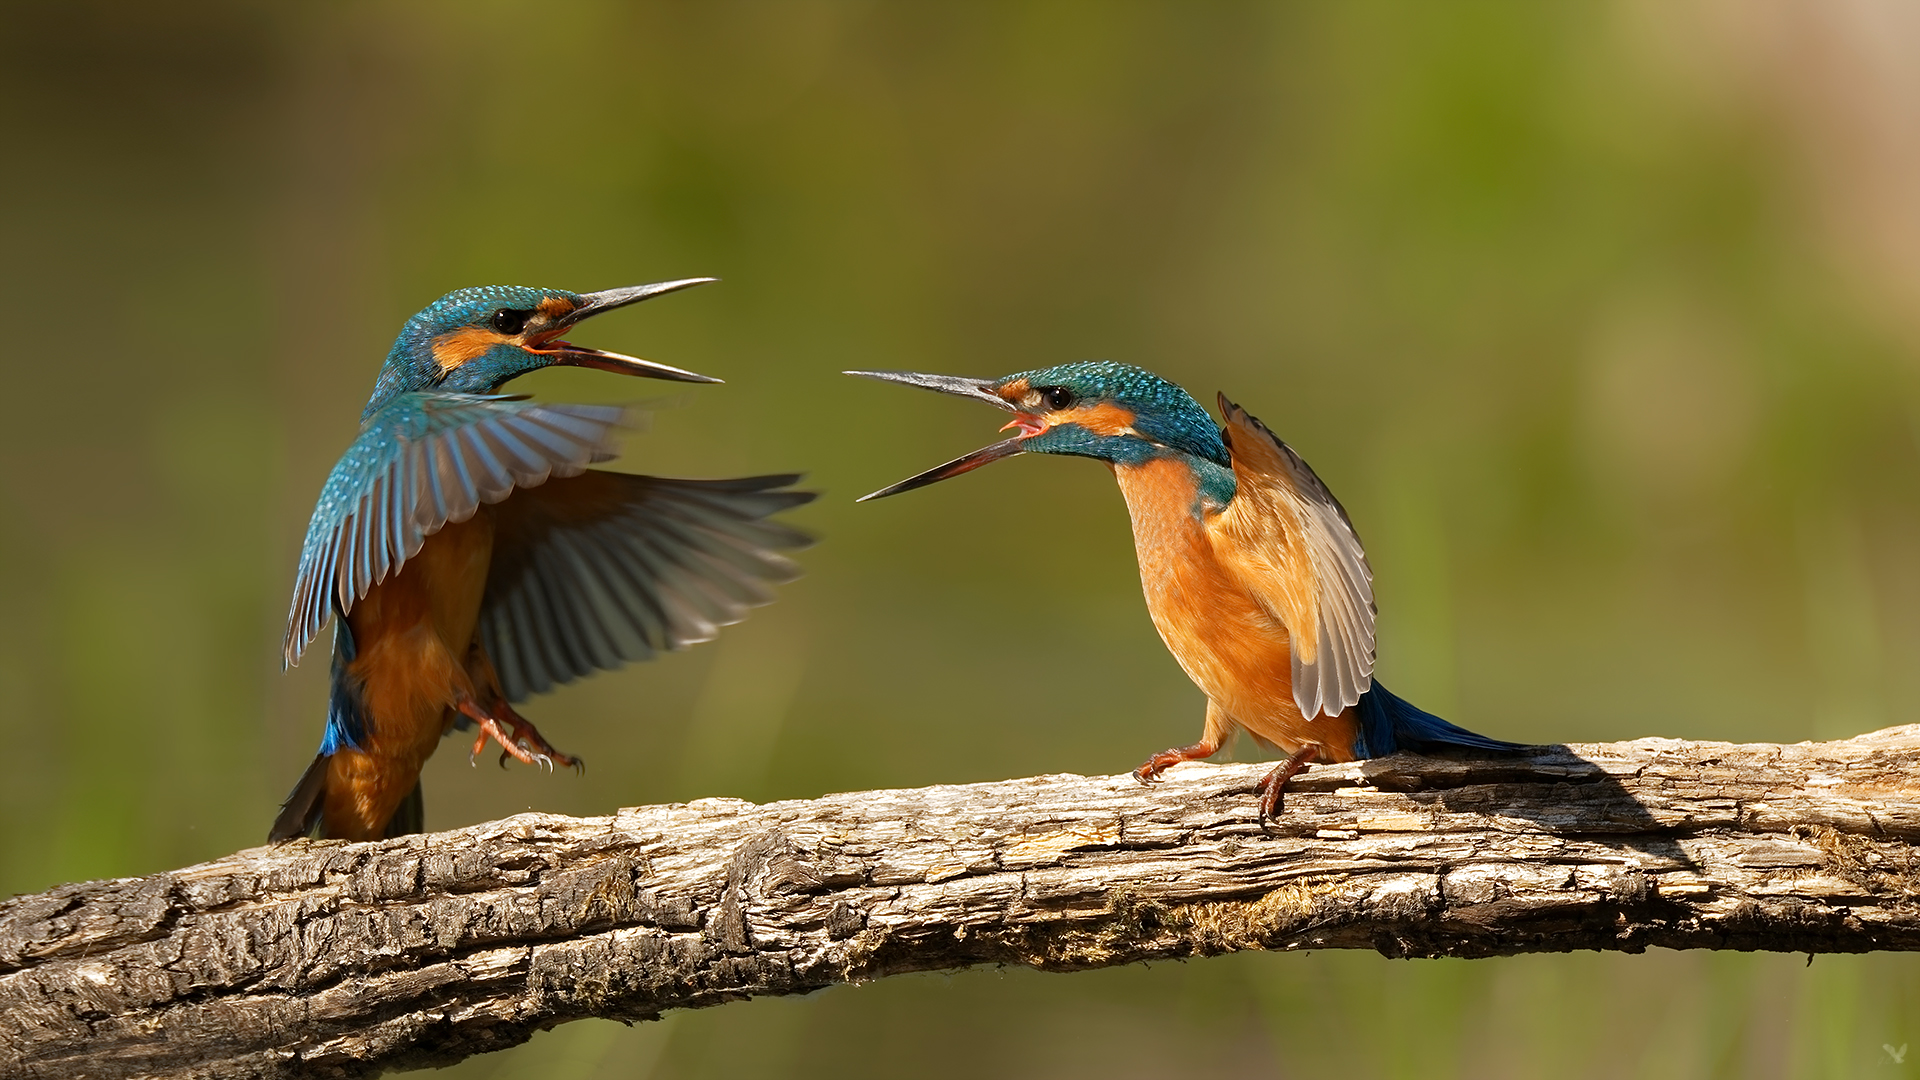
[566, 352]
[978, 390]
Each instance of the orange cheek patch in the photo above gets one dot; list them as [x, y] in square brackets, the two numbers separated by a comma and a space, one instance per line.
[1104, 418]
[462, 345]
[1013, 391]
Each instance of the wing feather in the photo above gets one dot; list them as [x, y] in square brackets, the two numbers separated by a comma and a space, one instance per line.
[1291, 544]
[423, 461]
[517, 625]
[600, 569]
[361, 551]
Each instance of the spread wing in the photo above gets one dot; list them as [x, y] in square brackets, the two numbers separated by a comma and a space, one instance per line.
[601, 569]
[1289, 541]
[422, 461]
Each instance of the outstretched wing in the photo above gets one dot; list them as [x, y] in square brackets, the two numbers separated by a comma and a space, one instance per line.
[601, 569]
[1290, 543]
[424, 460]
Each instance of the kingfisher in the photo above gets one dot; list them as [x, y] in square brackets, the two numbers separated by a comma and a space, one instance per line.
[469, 558]
[1253, 573]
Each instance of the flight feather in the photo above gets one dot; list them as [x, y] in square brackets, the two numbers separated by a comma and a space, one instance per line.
[1289, 541]
[424, 460]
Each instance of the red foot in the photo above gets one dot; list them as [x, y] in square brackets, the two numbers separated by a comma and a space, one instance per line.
[1150, 770]
[1271, 784]
[518, 739]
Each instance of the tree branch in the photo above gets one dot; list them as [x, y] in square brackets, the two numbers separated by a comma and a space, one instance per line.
[338, 959]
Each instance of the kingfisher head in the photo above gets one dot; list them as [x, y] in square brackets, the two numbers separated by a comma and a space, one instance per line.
[1091, 408]
[473, 340]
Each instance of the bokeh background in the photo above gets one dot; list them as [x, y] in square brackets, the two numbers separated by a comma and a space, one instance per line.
[1603, 319]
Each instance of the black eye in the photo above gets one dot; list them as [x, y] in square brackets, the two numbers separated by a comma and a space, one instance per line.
[1056, 397]
[508, 321]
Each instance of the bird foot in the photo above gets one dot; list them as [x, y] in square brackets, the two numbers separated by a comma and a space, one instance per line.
[518, 739]
[1270, 784]
[1150, 770]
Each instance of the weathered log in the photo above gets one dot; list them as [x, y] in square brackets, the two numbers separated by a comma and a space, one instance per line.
[339, 959]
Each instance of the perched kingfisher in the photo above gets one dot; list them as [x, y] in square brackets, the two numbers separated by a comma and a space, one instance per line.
[1253, 574]
[470, 558]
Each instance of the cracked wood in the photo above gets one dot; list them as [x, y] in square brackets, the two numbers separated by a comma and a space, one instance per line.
[339, 959]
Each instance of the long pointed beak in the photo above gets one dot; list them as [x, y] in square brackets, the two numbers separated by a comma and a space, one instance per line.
[608, 299]
[982, 456]
[978, 390]
[566, 352]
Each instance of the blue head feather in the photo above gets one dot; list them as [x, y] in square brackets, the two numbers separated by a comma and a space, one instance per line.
[411, 365]
[1164, 414]
[1166, 420]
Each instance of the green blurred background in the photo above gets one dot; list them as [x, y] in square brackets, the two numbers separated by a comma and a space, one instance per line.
[1601, 318]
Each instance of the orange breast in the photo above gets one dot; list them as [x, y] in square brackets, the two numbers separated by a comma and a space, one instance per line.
[410, 633]
[1229, 644]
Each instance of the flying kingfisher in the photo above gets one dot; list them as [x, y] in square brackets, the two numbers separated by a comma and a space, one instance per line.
[1253, 573]
[469, 558]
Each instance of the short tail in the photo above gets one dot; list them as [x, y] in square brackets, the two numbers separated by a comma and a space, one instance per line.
[1389, 724]
[302, 813]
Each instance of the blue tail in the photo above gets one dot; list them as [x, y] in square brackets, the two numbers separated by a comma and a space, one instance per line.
[1389, 724]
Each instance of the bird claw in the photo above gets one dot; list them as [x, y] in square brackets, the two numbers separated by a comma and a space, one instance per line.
[1276, 779]
[534, 756]
[518, 739]
[1270, 799]
[1149, 771]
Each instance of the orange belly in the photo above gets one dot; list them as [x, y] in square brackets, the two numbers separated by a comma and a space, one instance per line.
[1229, 644]
[410, 635]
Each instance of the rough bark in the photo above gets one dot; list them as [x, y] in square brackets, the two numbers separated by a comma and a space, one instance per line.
[339, 959]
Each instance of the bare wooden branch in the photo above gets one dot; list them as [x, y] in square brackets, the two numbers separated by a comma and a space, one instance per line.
[337, 959]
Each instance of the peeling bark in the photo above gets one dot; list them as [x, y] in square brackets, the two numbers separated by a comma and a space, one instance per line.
[343, 959]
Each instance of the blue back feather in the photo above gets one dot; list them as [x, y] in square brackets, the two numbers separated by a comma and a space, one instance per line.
[346, 715]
